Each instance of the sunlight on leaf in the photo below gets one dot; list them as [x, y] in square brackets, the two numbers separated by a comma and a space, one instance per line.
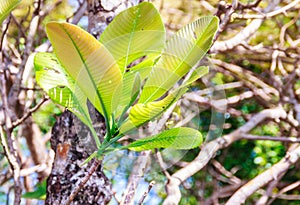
[89, 64]
[6, 6]
[142, 113]
[182, 52]
[142, 69]
[134, 33]
[176, 138]
[63, 90]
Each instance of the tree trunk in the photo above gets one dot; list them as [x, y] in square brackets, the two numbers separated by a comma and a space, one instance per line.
[71, 139]
[72, 142]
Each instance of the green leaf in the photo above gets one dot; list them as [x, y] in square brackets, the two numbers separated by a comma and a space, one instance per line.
[134, 33]
[176, 138]
[62, 89]
[6, 6]
[130, 91]
[136, 86]
[89, 64]
[182, 52]
[142, 113]
[130, 82]
[142, 70]
[39, 193]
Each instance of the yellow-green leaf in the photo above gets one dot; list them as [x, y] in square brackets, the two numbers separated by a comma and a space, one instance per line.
[182, 52]
[62, 89]
[130, 91]
[134, 33]
[142, 70]
[142, 113]
[88, 63]
[176, 138]
[6, 6]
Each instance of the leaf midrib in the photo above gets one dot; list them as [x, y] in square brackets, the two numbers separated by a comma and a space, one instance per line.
[90, 76]
[181, 63]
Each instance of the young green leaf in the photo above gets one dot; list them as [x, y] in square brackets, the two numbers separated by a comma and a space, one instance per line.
[142, 70]
[182, 52]
[89, 64]
[62, 89]
[130, 91]
[136, 86]
[134, 33]
[6, 6]
[176, 138]
[131, 88]
[142, 113]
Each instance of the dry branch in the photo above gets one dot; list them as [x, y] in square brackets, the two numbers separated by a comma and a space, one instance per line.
[244, 35]
[209, 149]
[284, 9]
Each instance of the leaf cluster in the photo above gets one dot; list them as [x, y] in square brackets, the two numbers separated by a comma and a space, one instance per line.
[128, 74]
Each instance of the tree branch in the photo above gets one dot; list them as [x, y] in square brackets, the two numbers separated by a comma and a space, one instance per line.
[29, 113]
[9, 144]
[209, 149]
[270, 14]
[272, 138]
[243, 35]
[264, 178]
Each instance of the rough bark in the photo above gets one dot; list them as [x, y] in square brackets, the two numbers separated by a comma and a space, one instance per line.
[72, 142]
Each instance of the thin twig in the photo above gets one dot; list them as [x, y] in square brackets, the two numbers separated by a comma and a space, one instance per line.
[49, 9]
[152, 183]
[242, 6]
[269, 190]
[93, 168]
[10, 147]
[136, 174]
[5, 176]
[31, 89]
[284, 190]
[243, 35]
[246, 75]
[284, 29]
[28, 114]
[229, 10]
[270, 14]
[224, 172]
[77, 15]
[281, 139]
[161, 163]
[28, 49]
[20, 27]
[4, 32]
